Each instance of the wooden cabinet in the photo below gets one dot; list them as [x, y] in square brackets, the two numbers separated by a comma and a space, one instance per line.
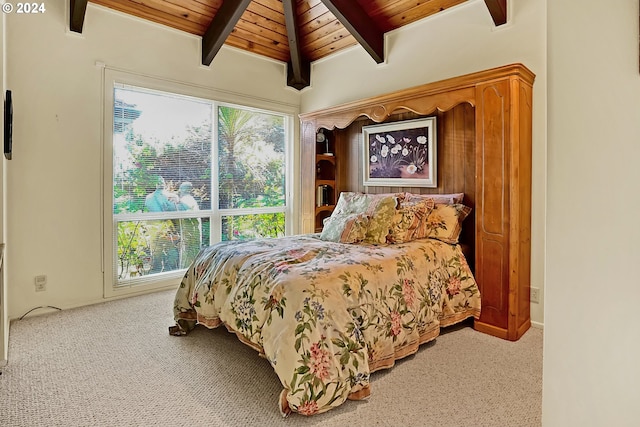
[503, 199]
[484, 150]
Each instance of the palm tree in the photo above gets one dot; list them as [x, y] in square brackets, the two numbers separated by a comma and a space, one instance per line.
[233, 127]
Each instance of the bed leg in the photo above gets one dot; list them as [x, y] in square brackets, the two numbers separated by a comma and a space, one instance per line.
[182, 327]
[285, 410]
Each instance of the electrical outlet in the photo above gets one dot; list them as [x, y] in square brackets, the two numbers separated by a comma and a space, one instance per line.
[41, 283]
[535, 295]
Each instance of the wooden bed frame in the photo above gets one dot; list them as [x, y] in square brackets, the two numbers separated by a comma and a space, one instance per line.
[484, 123]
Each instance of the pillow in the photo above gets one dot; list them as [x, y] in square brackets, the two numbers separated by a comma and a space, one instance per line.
[349, 228]
[447, 199]
[379, 207]
[445, 222]
[409, 222]
[351, 202]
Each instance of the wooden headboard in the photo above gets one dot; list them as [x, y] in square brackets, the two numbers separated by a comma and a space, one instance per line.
[484, 150]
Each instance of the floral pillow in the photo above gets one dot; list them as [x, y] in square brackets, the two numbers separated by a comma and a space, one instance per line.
[445, 222]
[447, 199]
[379, 207]
[350, 228]
[351, 202]
[409, 222]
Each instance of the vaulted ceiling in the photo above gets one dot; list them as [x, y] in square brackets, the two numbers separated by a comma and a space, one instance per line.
[297, 32]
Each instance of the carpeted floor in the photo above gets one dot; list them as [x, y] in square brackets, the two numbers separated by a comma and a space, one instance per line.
[114, 364]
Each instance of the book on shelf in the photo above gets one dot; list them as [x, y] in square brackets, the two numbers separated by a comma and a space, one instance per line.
[322, 195]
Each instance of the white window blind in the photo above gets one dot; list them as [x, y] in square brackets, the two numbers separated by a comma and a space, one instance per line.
[188, 172]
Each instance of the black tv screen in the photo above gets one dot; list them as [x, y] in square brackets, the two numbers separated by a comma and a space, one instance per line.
[8, 125]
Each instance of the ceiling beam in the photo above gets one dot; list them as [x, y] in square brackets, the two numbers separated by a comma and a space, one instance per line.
[298, 68]
[221, 26]
[76, 16]
[498, 11]
[355, 19]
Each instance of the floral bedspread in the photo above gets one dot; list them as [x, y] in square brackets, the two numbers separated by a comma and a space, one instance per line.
[327, 314]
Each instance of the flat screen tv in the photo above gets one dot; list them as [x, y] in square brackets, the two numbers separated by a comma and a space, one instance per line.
[8, 125]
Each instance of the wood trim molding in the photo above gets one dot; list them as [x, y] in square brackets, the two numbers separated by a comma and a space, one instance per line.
[454, 91]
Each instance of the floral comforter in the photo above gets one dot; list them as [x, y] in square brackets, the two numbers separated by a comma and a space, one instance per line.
[327, 314]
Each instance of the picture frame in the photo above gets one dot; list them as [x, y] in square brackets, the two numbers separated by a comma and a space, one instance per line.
[401, 154]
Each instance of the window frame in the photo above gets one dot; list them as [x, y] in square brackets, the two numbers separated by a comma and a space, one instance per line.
[118, 78]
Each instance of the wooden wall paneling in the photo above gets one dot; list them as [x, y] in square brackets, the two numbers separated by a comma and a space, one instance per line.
[455, 153]
[467, 124]
[353, 157]
[446, 151]
[456, 160]
[457, 142]
[459, 147]
[470, 155]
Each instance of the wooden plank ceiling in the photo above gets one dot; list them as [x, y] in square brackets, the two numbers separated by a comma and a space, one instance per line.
[297, 32]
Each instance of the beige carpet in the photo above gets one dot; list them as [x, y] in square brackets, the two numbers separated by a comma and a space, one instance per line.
[114, 364]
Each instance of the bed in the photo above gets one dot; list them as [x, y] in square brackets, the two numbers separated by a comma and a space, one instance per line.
[328, 309]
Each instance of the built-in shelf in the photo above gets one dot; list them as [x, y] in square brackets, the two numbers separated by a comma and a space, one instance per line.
[329, 182]
[325, 178]
[327, 157]
[324, 208]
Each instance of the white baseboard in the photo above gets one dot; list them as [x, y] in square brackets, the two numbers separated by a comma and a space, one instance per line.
[38, 311]
[537, 325]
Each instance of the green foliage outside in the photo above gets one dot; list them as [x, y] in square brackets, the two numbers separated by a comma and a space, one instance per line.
[251, 175]
[245, 227]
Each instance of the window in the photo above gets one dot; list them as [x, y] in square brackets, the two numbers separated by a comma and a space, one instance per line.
[184, 173]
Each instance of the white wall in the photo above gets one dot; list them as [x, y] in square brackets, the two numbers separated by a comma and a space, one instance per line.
[592, 341]
[54, 179]
[4, 307]
[457, 41]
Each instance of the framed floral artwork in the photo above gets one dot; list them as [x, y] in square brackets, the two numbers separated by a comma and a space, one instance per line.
[401, 154]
